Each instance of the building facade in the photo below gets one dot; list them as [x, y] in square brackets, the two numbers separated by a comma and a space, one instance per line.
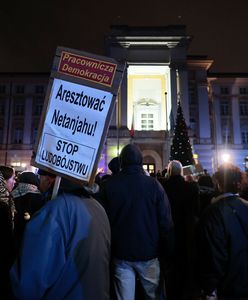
[21, 101]
[159, 73]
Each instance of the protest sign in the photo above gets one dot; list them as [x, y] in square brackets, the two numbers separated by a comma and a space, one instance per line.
[79, 102]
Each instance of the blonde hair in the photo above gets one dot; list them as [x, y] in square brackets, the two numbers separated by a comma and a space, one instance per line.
[174, 168]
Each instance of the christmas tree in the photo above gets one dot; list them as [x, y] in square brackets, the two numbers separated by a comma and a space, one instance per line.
[181, 149]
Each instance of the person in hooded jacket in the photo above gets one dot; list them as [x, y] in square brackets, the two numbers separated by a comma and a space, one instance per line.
[141, 226]
[7, 210]
[65, 252]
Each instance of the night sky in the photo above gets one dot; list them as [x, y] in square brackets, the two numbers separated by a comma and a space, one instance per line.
[30, 31]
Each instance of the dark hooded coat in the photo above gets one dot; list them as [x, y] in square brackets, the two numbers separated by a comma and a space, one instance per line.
[138, 210]
[222, 244]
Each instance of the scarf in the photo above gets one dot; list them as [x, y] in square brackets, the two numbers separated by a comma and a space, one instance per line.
[5, 196]
[23, 189]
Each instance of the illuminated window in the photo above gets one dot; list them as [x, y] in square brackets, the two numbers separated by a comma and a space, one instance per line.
[147, 122]
[150, 168]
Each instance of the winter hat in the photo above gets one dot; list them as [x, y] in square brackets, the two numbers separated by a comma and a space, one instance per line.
[28, 177]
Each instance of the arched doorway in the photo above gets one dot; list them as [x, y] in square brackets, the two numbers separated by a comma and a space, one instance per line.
[149, 165]
[152, 162]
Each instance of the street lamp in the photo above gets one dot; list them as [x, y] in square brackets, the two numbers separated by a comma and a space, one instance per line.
[225, 157]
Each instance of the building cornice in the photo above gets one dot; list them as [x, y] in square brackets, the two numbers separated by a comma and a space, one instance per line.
[199, 63]
[149, 36]
[149, 41]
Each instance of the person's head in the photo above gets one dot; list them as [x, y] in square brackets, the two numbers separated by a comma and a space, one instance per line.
[130, 155]
[228, 178]
[8, 177]
[174, 168]
[114, 165]
[206, 180]
[46, 180]
[28, 177]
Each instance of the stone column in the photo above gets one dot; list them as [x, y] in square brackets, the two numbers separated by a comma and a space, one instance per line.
[183, 82]
[236, 121]
[217, 120]
[173, 80]
[203, 107]
[123, 100]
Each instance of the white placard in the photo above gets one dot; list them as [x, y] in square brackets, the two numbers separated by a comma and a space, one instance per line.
[73, 128]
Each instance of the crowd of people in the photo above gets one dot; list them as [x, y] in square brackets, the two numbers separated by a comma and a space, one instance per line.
[128, 236]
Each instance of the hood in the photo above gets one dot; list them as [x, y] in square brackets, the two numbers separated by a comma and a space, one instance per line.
[114, 165]
[130, 155]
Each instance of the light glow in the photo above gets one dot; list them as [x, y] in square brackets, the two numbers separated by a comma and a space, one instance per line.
[225, 157]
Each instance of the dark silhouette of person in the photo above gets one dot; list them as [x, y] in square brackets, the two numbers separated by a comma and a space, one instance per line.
[222, 240]
[183, 197]
[141, 226]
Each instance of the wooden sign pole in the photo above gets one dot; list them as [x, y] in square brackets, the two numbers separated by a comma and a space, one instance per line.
[56, 186]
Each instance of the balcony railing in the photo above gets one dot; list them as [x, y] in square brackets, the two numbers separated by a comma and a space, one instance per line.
[124, 132]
